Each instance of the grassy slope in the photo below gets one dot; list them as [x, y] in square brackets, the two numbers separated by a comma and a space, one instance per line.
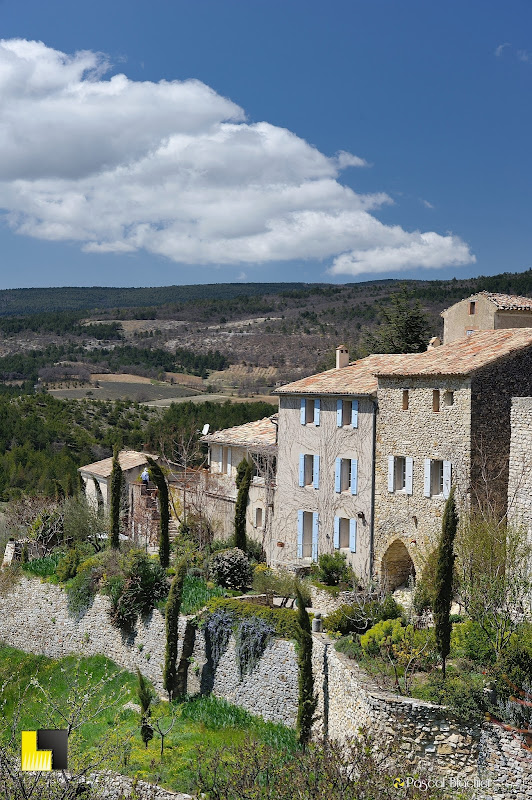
[202, 722]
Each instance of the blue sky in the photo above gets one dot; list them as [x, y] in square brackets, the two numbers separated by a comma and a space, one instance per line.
[263, 140]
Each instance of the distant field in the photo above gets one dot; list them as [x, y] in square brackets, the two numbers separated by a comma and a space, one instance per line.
[139, 392]
[214, 398]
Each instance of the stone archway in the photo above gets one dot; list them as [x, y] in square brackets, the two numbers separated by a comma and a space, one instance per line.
[396, 566]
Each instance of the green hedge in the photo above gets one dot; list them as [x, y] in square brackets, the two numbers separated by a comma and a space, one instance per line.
[283, 620]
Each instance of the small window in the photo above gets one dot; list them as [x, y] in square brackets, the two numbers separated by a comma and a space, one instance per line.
[436, 478]
[405, 399]
[472, 306]
[309, 411]
[448, 398]
[470, 333]
[258, 517]
[308, 469]
[344, 532]
[347, 410]
[307, 534]
[399, 474]
[436, 400]
[345, 475]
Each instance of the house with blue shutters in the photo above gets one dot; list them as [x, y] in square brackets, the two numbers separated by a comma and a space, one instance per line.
[366, 453]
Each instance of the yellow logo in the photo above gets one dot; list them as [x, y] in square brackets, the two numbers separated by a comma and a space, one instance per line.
[398, 783]
[44, 750]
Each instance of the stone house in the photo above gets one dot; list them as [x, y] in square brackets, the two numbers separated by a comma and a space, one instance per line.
[520, 466]
[97, 476]
[214, 490]
[368, 451]
[486, 311]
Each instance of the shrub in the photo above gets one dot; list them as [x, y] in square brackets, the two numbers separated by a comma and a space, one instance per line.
[468, 640]
[333, 568]
[144, 585]
[80, 592]
[387, 632]
[281, 584]
[464, 694]
[357, 618]
[231, 569]
[68, 566]
[513, 676]
[43, 567]
[349, 646]
[196, 594]
[282, 620]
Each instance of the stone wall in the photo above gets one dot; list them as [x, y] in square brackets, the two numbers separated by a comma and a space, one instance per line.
[409, 525]
[492, 390]
[520, 469]
[35, 619]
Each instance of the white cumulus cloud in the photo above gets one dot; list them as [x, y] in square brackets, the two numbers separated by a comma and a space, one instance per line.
[175, 169]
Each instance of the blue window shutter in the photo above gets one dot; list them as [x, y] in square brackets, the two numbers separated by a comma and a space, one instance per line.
[426, 478]
[391, 468]
[339, 413]
[316, 472]
[303, 410]
[301, 469]
[409, 481]
[446, 479]
[354, 414]
[337, 474]
[354, 475]
[317, 411]
[300, 534]
[353, 535]
[314, 535]
[336, 537]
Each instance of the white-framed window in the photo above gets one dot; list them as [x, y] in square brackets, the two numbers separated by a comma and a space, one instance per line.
[258, 517]
[400, 474]
[309, 470]
[310, 410]
[226, 460]
[437, 478]
[347, 413]
[307, 534]
[346, 475]
[345, 534]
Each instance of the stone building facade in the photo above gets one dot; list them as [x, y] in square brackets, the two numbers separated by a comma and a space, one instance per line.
[486, 311]
[520, 464]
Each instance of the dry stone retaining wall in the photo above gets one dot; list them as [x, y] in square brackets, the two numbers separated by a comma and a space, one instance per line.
[35, 618]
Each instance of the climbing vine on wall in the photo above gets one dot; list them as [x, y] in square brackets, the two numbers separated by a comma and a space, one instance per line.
[218, 629]
[252, 637]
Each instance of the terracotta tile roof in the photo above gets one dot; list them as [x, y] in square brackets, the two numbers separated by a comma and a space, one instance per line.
[509, 302]
[357, 378]
[128, 459]
[261, 433]
[503, 302]
[463, 356]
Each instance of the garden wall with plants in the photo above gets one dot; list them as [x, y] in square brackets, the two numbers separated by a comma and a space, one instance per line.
[35, 618]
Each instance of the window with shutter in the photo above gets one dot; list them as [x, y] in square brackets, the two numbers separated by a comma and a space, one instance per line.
[316, 472]
[336, 535]
[353, 535]
[354, 476]
[315, 523]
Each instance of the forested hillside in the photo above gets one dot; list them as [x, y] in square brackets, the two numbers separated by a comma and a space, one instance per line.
[44, 440]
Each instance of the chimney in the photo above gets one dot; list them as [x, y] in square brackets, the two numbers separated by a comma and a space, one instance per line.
[342, 356]
[434, 342]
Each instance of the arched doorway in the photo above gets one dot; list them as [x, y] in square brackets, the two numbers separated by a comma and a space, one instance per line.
[396, 566]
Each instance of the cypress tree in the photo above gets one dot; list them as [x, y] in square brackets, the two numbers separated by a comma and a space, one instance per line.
[164, 541]
[173, 607]
[244, 473]
[444, 579]
[145, 697]
[116, 498]
[307, 700]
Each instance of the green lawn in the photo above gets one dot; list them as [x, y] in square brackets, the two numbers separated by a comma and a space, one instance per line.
[205, 722]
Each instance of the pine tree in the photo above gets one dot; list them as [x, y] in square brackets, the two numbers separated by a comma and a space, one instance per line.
[244, 473]
[444, 579]
[116, 498]
[173, 607]
[405, 327]
[307, 700]
[145, 696]
[160, 481]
